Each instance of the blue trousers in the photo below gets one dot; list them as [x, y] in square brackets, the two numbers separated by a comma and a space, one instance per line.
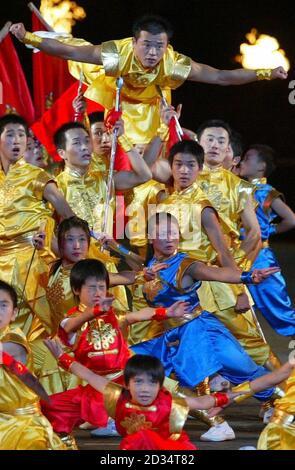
[200, 348]
[271, 296]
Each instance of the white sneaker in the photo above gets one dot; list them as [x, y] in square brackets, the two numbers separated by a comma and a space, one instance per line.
[86, 426]
[267, 415]
[110, 430]
[247, 448]
[219, 383]
[220, 432]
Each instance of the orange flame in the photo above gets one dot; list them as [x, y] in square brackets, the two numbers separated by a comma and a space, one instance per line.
[61, 14]
[262, 52]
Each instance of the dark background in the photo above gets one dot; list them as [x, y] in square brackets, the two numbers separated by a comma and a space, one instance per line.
[210, 32]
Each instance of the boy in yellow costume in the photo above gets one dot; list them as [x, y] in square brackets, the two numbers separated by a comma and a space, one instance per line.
[24, 192]
[22, 425]
[144, 61]
[85, 188]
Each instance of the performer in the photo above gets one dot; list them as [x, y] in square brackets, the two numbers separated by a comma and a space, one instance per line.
[217, 348]
[94, 332]
[272, 299]
[73, 236]
[24, 191]
[22, 425]
[203, 238]
[146, 414]
[85, 188]
[143, 61]
[279, 434]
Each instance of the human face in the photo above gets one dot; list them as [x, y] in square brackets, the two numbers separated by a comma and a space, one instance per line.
[92, 291]
[165, 239]
[100, 138]
[251, 166]
[7, 311]
[34, 154]
[143, 389]
[75, 246]
[13, 142]
[185, 170]
[230, 162]
[77, 154]
[215, 142]
[149, 48]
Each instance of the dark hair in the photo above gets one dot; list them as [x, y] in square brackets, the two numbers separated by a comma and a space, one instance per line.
[157, 218]
[153, 24]
[267, 155]
[10, 291]
[236, 144]
[60, 137]
[187, 146]
[140, 363]
[67, 224]
[213, 123]
[13, 119]
[85, 269]
[97, 116]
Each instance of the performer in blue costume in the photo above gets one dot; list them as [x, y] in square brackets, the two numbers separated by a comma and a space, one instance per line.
[270, 297]
[198, 345]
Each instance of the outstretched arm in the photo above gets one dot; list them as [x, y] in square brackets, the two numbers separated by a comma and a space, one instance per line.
[206, 74]
[176, 310]
[95, 380]
[89, 54]
[202, 272]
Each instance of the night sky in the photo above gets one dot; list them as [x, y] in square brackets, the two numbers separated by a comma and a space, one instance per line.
[209, 31]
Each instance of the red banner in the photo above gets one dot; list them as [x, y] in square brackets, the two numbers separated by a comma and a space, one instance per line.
[50, 76]
[14, 93]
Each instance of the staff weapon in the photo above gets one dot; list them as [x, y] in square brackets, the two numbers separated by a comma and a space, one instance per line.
[42, 227]
[178, 126]
[119, 84]
[76, 116]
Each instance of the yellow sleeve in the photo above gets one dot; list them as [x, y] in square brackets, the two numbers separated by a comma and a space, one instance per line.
[41, 181]
[111, 395]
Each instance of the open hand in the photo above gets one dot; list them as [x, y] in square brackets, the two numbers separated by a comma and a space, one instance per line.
[151, 273]
[259, 275]
[178, 309]
[106, 302]
[54, 347]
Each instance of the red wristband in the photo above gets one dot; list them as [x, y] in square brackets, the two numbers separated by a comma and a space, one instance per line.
[7, 359]
[221, 399]
[160, 314]
[97, 311]
[65, 361]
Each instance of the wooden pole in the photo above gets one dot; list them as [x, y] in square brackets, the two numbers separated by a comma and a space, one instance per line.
[35, 10]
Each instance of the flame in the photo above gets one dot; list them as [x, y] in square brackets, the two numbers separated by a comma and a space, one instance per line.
[61, 14]
[262, 52]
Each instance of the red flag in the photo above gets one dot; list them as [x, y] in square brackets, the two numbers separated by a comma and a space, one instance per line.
[60, 113]
[50, 76]
[14, 92]
[174, 136]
